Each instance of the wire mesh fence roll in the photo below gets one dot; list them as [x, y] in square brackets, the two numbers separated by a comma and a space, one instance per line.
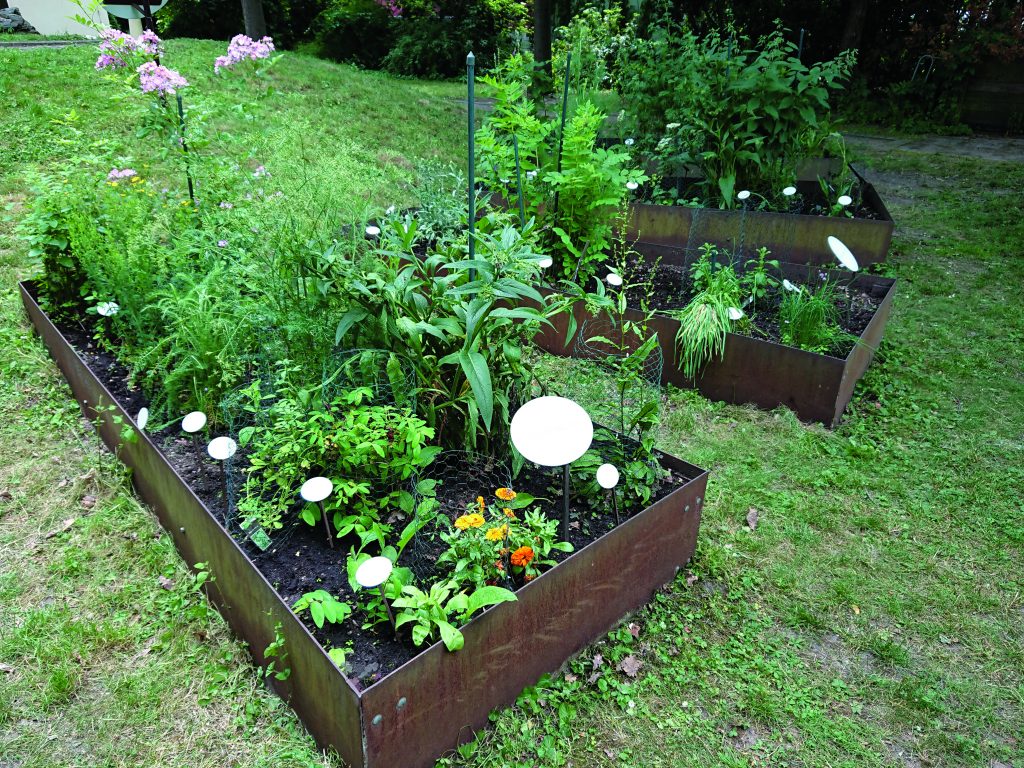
[390, 377]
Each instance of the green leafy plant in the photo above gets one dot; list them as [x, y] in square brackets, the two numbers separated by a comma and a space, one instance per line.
[757, 280]
[809, 318]
[323, 606]
[705, 321]
[278, 656]
[431, 613]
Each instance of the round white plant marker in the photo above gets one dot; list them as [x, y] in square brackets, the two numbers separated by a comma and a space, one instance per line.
[843, 254]
[607, 476]
[373, 572]
[531, 174]
[744, 194]
[632, 186]
[545, 262]
[222, 448]
[844, 200]
[551, 431]
[789, 191]
[108, 308]
[614, 279]
[142, 419]
[193, 422]
[316, 489]
[735, 314]
[789, 286]
[372, 231]
[629, 142]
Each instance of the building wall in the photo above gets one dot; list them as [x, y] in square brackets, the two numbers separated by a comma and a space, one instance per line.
[52, 17]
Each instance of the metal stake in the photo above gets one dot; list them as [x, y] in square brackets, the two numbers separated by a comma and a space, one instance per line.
[519, 181]
[615, 506]
[565, 106]
[800, 48]
[327, 526]
[565, 508]
[470, 68]
[387, 607]
[184, 148]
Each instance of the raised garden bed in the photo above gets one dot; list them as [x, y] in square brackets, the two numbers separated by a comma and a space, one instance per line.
[433, 701]
[760, 371]
[798, 238]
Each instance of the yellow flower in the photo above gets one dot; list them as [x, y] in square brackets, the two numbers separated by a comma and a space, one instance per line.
[505, 494]
[509, 513]
[497, 534]
[480, 503]
[469, 521]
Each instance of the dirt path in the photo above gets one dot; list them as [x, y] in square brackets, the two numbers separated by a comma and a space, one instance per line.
[1006, 149]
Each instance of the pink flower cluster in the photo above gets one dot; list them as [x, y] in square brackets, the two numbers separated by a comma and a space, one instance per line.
[155, 78]
[124, 173]
[242, 48]
[116, 46]
[392, 6]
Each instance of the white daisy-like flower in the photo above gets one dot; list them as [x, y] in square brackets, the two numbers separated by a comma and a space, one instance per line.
[735, 314]
[789, 191]
[614, 279]
[844, 200]
[108, 308]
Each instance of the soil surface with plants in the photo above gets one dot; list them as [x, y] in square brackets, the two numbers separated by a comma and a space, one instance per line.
[301, 560]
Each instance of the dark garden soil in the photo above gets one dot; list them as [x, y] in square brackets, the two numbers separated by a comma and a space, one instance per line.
[671, 288]
[301, 560]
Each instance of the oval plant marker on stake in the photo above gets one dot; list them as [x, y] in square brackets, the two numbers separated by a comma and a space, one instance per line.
[735, 314]
[142, 419]
[545, 262]
[373, 572]
[222, 448]
[551, 431]
[607, 476]
[629, 142]
[844, 200]
[842, 253]
[632, 186]
[372, 231]
[316, 489]
[193, 422]
[789, 191]
[108, 308]
[614, 279]
[790, 286]
[743, 194]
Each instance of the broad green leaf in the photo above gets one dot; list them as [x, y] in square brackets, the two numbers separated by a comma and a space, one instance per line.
[474, 365]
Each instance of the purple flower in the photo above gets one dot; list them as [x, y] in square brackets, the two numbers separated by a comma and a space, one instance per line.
[392, 6]
[242, 48]
[125, 173]
[106, 61]
[222, 243]
[260, 172]
[150, 43]
[226, 204]
[155, 78]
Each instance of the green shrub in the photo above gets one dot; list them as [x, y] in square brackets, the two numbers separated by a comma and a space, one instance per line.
[356, 31]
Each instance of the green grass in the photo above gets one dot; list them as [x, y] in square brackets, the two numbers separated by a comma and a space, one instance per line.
[874, 617]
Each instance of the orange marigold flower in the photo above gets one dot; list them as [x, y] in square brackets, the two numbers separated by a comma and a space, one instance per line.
[509, 513]
[469, 521]
[499, 566]
[522, 557]
[497, 534]
[480, 503]
[529, 577]
[505, 494]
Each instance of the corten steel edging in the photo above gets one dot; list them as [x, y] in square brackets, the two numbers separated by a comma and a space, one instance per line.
[316, 690]
[510, 646]
[795, 238]
[446, 695]
[766, 374]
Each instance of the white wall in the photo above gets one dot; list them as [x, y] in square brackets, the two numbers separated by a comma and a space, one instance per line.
[52, 17]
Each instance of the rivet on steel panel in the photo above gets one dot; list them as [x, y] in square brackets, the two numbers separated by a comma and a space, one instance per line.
[182, 530]
[401, 703]
[378, 719]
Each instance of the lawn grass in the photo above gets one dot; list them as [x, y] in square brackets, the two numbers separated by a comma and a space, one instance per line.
[873, 617]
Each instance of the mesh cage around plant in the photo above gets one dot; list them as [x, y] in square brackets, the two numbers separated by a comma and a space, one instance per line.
[461, 478]
[390, 377]
[730, 235]
[616, 386]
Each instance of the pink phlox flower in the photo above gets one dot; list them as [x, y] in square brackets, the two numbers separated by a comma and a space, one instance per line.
[242, 48]
[125, 173]
[150, 43]
[226, 204]
[156, 78]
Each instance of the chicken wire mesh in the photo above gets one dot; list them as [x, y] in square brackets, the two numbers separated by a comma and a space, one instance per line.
[389, 376]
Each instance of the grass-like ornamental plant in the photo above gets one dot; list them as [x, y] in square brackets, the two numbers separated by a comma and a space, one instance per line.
[705, 321]
[809, 318]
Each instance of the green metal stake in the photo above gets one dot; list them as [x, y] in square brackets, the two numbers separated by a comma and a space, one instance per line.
[565, 106]
[519, 182]
[184, 148]
[470, 66]
[800, 48]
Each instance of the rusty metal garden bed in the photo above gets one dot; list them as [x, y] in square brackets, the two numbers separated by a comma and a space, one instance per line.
[795, 238]
[767, 374]
[433, 702]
